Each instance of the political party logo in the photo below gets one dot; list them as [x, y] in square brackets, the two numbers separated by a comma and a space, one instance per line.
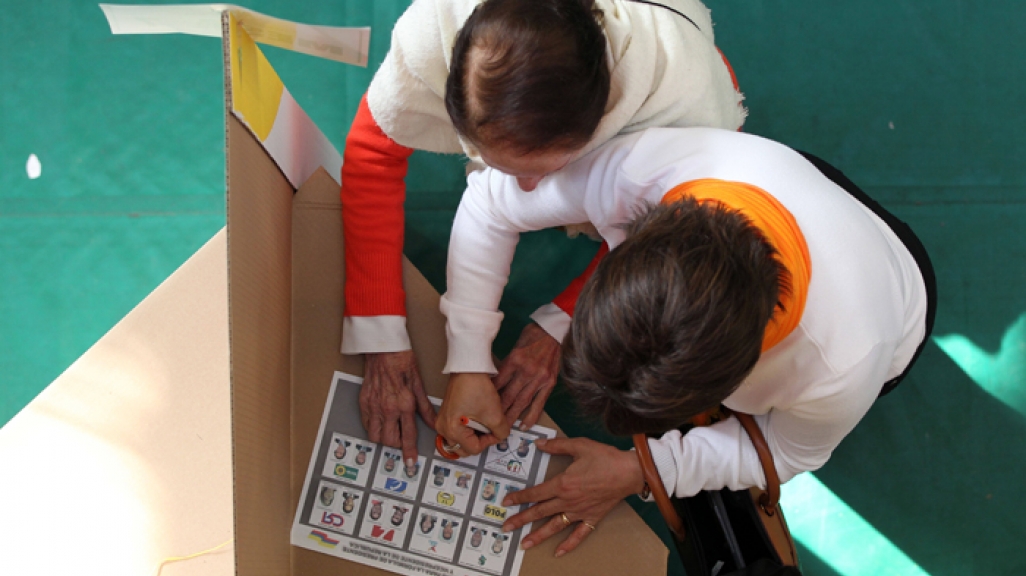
[345, 472]
[446, 499]
[514, 466]
[395, 485]
[379, 532]
[330, 519]
[495, 512]
[482, 560]
[323, 539]
[434, 545]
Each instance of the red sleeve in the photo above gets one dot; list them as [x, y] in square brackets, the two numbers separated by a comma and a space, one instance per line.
[373, 191]
[733, 77]
[567, 300]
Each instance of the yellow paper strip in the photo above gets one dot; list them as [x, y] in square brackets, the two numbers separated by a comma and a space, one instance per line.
[256, 88]
[348, 45]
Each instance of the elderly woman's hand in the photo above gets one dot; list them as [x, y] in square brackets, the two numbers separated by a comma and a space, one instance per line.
[598, 479]
[390, 398]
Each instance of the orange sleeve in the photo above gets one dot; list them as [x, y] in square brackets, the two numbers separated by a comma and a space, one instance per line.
[567, 300]
[373, 191]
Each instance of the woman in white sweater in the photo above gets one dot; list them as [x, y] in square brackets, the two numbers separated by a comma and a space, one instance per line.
[771, 285]
[525, 86]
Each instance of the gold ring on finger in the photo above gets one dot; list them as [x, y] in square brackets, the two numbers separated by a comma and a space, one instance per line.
[566, 521]
[588, 524]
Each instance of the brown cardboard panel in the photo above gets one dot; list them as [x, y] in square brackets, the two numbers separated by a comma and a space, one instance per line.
[623, 545]
[125, 459]
[316, 313]
[316, 335]
[259, 300]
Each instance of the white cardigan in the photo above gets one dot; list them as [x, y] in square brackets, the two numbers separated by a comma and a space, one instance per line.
[864, 314]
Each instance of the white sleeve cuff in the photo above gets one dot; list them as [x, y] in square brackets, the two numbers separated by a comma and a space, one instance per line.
[470, 333]
[373, 334]
[665, 462]
[553, 320]
[707, 458]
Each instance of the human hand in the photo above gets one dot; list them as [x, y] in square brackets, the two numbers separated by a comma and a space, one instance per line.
[391, 394]
[472, 395]
[528, 375]
[598, 479]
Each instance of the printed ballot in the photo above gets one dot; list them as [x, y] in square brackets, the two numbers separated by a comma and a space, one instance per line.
[361, 502]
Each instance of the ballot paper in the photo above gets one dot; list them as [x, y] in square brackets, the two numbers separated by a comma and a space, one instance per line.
[361, 502]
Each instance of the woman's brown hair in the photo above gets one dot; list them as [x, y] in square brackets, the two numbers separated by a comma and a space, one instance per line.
[672, 320]
[529, 75]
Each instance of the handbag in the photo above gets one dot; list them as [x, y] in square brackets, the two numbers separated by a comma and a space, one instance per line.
[727, 532]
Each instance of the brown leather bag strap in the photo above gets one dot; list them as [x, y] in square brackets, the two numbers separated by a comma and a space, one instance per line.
[771, 498]
[655, 485]
[768, 501]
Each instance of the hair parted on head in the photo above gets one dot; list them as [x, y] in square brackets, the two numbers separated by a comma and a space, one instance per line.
[529, 75]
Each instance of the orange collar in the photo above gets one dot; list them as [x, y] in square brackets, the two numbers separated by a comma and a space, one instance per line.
[781, 230]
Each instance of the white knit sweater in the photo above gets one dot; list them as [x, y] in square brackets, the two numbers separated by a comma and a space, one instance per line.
[864, 314]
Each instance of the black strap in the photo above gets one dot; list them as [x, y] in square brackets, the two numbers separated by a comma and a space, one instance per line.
[674, 10]
[908, 238]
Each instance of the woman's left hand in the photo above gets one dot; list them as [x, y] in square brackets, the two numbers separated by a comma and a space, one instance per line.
[599, 477]
[471, 395]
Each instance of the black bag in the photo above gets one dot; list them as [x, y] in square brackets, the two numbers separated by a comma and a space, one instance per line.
[726, 532]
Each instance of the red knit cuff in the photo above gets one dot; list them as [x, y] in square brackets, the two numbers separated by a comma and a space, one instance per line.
[567, 300]
[373, 191]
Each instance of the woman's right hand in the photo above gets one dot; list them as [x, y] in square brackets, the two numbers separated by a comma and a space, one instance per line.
[390, 398]
[597, 480]
[474, 396]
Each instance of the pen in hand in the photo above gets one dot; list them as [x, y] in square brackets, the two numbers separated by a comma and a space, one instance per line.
[446, 450]
[474, 425]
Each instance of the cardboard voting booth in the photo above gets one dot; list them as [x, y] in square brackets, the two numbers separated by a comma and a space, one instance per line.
[191, 423]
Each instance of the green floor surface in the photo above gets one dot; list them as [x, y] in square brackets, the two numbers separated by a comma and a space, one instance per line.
[915, 101]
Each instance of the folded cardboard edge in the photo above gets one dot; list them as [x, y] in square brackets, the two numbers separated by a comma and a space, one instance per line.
[259, 298]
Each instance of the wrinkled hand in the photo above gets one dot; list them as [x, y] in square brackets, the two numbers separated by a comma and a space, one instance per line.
[391, 394]
[472, 395]
[598, 479]
[528, 375]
